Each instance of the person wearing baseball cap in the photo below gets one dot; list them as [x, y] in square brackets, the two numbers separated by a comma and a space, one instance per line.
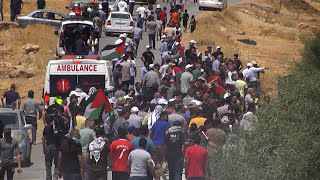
[218, 52]
[135, 120]
[186, 79]
[148, 56]
[151, 82]
[245, 71]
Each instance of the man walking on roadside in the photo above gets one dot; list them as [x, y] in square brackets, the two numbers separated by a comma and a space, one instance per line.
[96, 157]
[30, 108]
[120, 150]
[71, 164]
[152, 29]
[185, 19]
[137, 36]
[139, 162]
[9, 147]
[15, 9]
[1, 9]
[197, 164]
[11, 96]
[174, 143]
[131, 6]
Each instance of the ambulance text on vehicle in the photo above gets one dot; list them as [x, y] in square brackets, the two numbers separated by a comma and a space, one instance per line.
[62, 76]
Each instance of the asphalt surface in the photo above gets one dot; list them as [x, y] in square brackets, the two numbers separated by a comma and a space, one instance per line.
[37, 170]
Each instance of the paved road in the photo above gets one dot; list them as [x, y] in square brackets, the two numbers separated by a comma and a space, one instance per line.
[37, 170]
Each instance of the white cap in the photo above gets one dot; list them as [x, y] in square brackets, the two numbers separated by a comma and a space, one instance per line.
[151, 65]
[119, 41]
[189, 66]
[218, 47]
[134, 109]
[147, 46]
[254, 62]
[196, 102]
[162, 101]
[249, 65]
[158, 6]
[163, 36]
[193, 41]
[226, 95]
[126, 44]
[172, 99]
[124, 35]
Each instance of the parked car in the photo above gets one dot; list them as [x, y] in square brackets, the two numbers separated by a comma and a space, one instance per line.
[69, 32]
[14, 118]
[53, 18]
[119, 22]
[213, 4]
[113, 5]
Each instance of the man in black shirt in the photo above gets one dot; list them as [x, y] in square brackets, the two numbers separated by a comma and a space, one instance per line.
[185, 19]
[49, 142]
[148, 56]
[237, 63]
[15, 9]
[70, 160]
[117, 76]
[12, 96]
[218, 52]
[175, 142]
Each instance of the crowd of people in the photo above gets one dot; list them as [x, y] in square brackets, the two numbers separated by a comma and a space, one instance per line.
[164, 122]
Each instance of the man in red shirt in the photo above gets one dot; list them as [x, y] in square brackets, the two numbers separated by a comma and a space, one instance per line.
[197, 167]
[120, 150]
[163, 17]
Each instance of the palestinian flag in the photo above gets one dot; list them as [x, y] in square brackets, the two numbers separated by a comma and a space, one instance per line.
[219, 90]
[110, 52]
[97, 104]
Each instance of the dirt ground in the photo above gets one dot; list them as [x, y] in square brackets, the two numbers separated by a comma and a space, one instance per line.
[273, 39]
[257, 31]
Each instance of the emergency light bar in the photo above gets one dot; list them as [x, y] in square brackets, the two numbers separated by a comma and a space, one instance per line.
[95, 57]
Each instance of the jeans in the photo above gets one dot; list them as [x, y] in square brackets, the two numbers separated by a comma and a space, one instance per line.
[72, 176]
[50, 156]
[120, 175]
[96, 175]
[33, 121]
[175, 166]
[131, 7]
[139, 178]
[137, 42]
[10, 172]
[152, 40]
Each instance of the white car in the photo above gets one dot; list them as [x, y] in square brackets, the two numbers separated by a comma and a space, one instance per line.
[213, 4]
[119, 22]
[67, 33]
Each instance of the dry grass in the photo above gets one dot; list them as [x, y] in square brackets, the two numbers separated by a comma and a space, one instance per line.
[209, 31]
[41, 35]
[31, 5]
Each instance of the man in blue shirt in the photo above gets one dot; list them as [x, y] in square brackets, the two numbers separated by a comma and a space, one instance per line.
[158, 135]
[144, 133]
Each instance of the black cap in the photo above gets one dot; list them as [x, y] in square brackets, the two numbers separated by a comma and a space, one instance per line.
[118, 65]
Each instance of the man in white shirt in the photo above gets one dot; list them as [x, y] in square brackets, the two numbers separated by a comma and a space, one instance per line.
[123, 6]
[245, 71]
[142, 11]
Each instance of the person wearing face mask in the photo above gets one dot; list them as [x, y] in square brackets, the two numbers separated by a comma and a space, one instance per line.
[8, 148]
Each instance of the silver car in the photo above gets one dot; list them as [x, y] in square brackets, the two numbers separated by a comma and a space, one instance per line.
[53, 18]
[14, 118]
[119, 22]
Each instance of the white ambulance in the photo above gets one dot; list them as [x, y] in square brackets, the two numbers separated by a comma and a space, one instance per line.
[63, 75]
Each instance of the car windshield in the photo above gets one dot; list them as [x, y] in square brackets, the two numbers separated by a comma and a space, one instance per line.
[10, 119]
[120, 16]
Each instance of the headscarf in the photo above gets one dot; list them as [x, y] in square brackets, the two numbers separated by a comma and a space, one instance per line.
[155, 115]
[95, 148]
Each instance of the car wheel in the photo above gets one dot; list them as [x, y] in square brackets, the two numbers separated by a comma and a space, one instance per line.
[107, 34]
[200, 8]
